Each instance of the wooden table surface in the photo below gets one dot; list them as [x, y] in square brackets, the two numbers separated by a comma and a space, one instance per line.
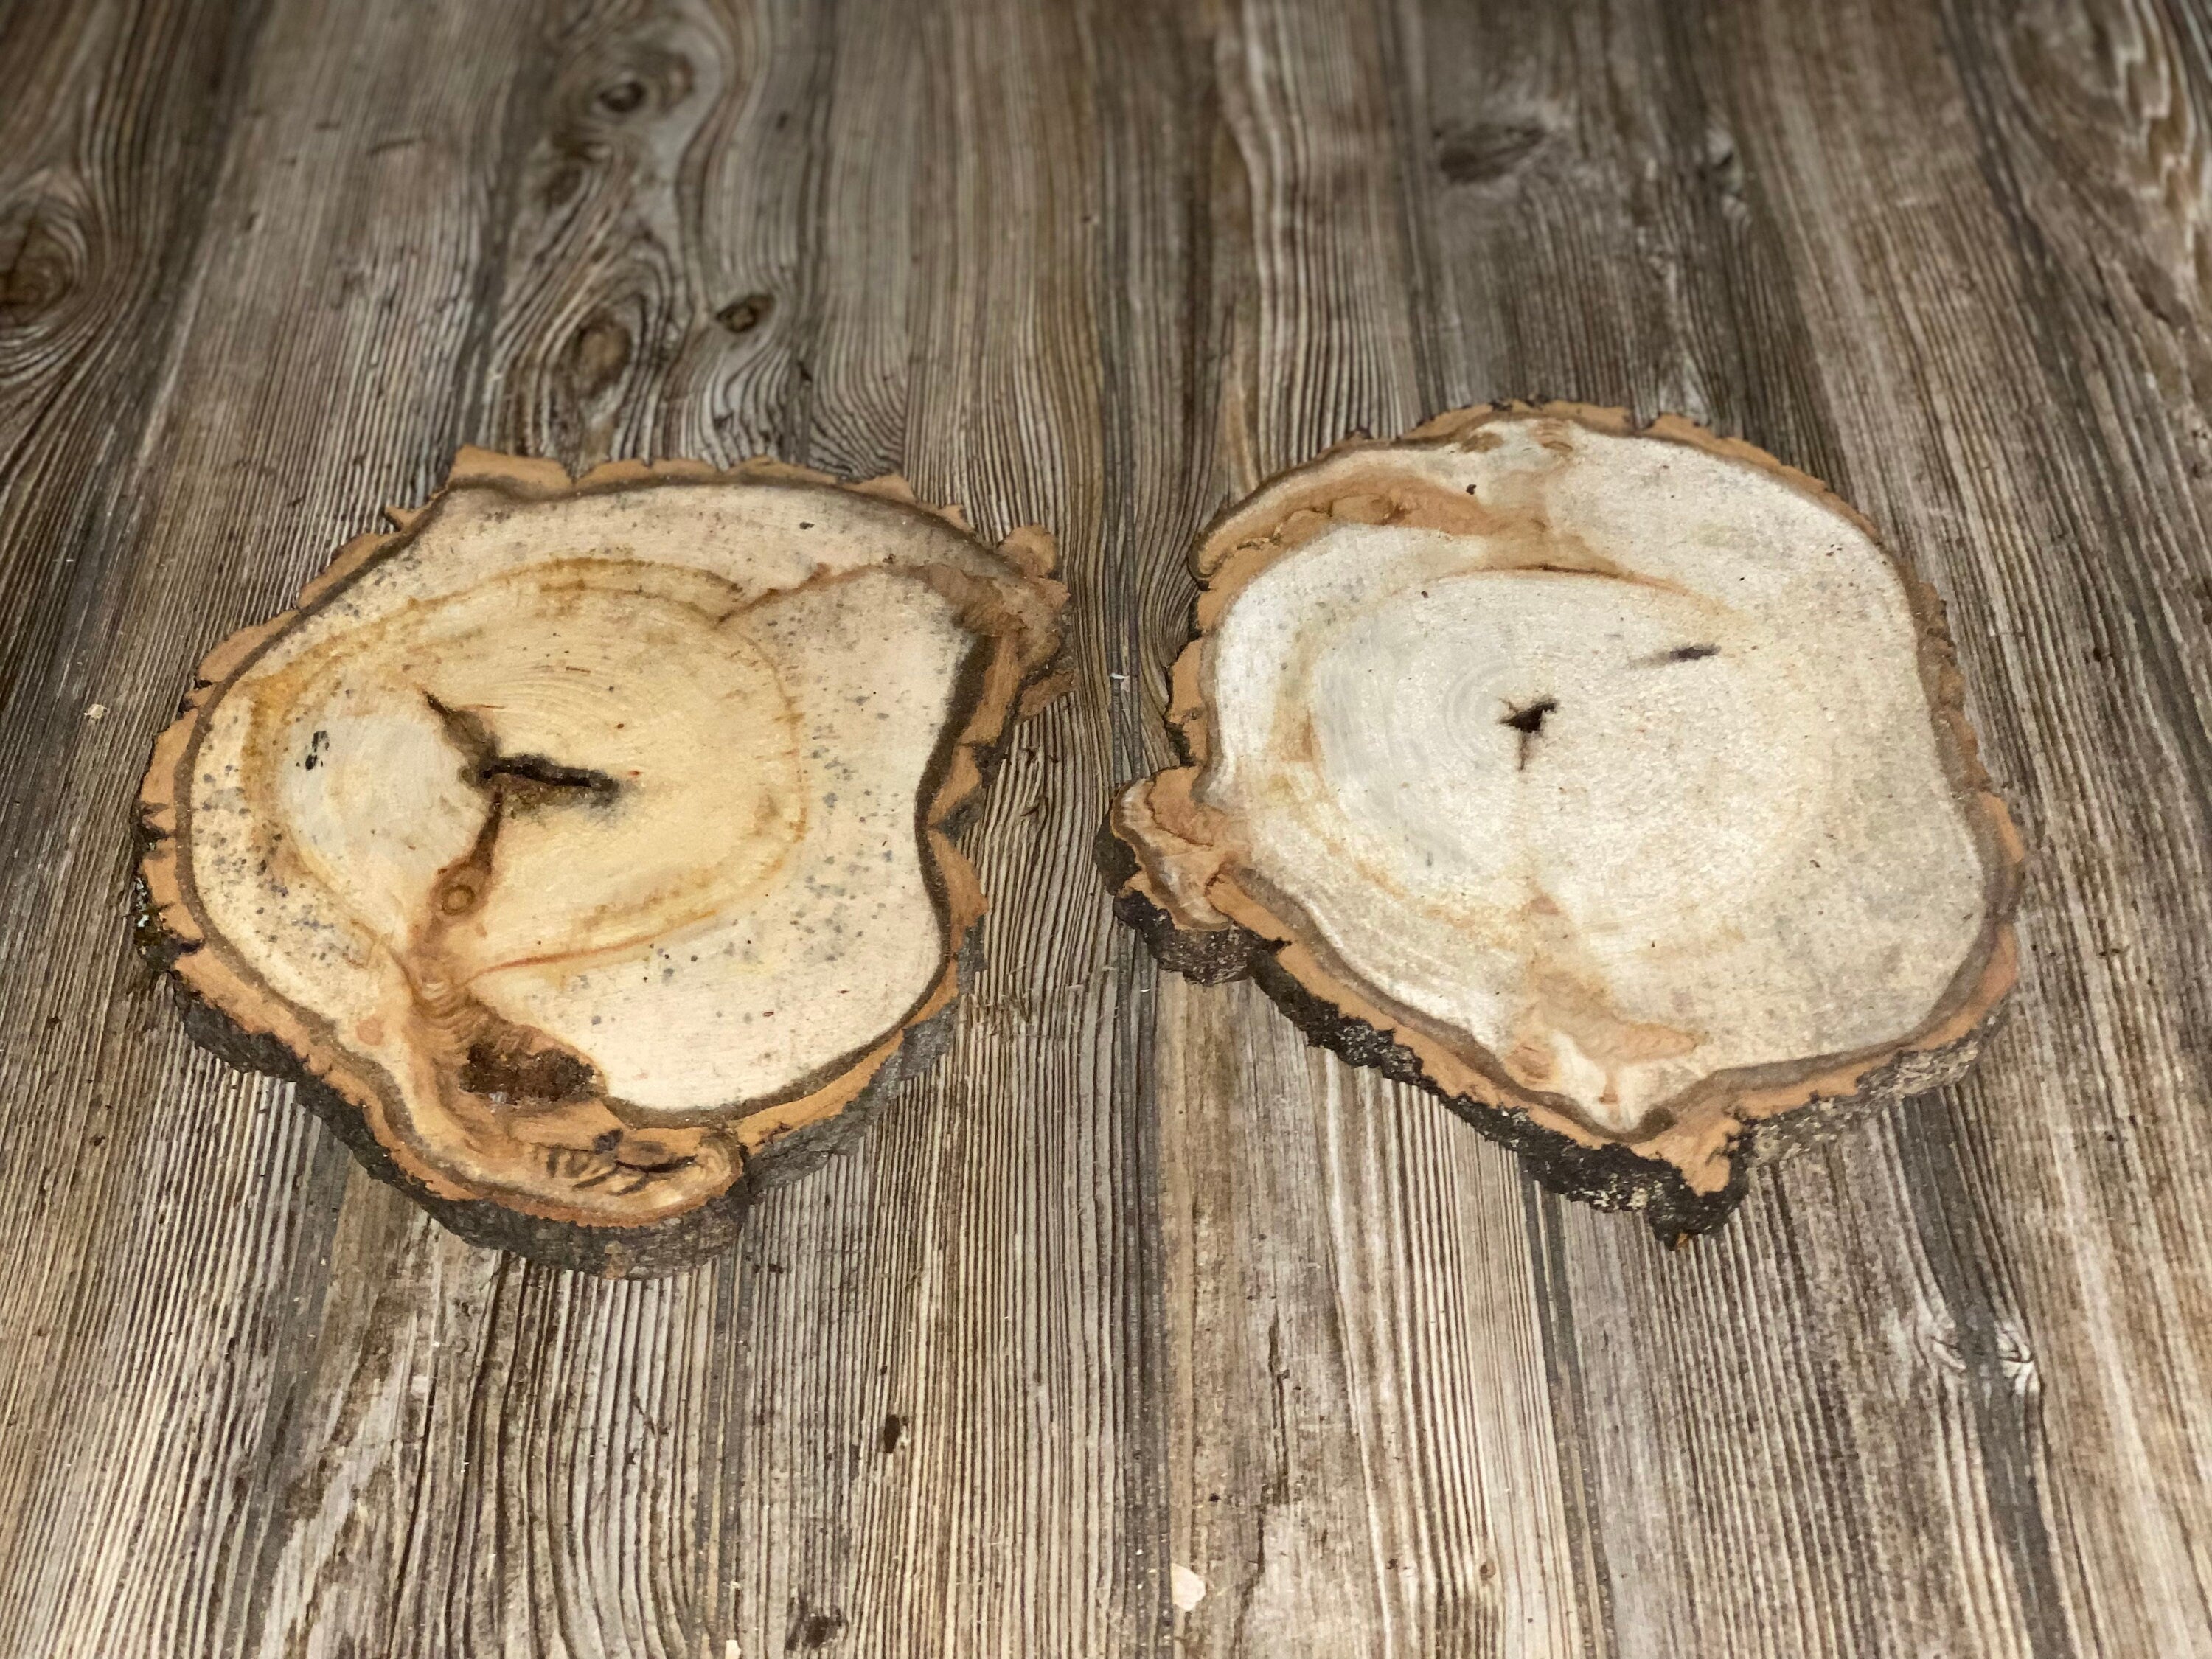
[1136, 1327]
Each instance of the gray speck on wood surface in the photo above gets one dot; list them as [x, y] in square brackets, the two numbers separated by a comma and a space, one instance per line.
[1143, 1282]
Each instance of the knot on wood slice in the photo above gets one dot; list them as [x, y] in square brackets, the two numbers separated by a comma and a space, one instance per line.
[582, 845]
[1612, 783]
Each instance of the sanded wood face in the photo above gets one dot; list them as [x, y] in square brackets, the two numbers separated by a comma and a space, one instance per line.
[1615, 772]
[589, 839]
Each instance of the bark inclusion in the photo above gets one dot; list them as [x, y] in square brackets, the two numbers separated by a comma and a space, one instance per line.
[511, 1065]
[1529, 721]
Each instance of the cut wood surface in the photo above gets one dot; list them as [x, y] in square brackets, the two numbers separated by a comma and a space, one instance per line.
[580, 847]
[1135, 1325]
[1613, 783]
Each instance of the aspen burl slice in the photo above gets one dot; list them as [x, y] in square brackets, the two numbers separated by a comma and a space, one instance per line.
[1612, 783]
[581, 846]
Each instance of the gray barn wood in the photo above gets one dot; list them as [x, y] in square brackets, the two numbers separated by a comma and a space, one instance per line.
[1133, 1281]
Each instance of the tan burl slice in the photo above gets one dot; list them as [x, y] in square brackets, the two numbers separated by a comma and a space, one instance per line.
[1613, 783]
[582, 845]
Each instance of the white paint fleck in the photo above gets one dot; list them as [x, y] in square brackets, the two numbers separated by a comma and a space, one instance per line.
[1185, 1588]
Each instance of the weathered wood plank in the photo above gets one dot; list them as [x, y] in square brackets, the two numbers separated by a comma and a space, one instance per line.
[1774, 1425]
[2045, 170]
[1366, 1461]
[167, 1218]
[1018, 1513]
[114, 119]
[830, 1476]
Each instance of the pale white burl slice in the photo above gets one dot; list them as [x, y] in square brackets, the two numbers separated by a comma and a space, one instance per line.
[582, 843]
[1612, 782]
